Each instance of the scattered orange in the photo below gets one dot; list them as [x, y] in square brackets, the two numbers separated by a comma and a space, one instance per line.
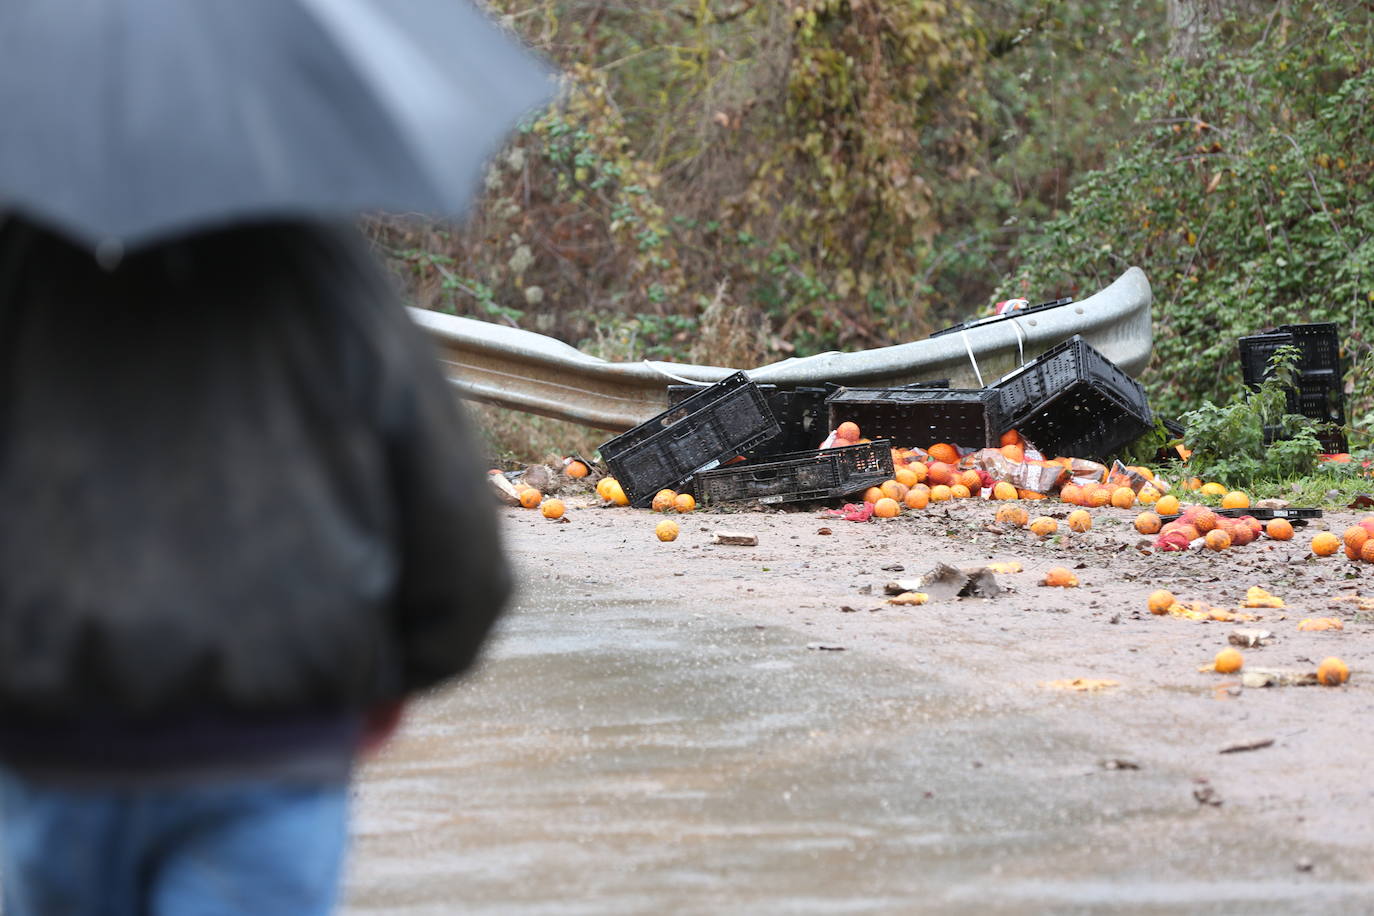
[1147, 496]
[1354, 537]
[530, 498]
[1167, 504]
[1228, 661]
[1013, 515]
[616, 493]
[1192, 483]
[1160, 601]
[1148, 523]
[1044, 526]
[959, 491]
[1367, 551]
[603, 488]
[917, 499]
[1030, 494]
[1280, 529]
[1060, 577]
[1325, 544]
[906, 477]
[848, 430]
[663, 500]
[1332, 672]
[666, 530]
[1123, 497]
[1071, 493]
[685, 502]
[552, 508]
[576, 469]
[943, 451]
[887, 507]
[1236, 499]
[940, 473]
[971, 479]
[940, 493]
[1003, 490]
[1014, 452]
[1079, 520]
[1097, 496]
[1217, 539]
[893, 490]
[919, 470]
[1212, 489]
[873, 494]
[1204, 520]
[1010, 437]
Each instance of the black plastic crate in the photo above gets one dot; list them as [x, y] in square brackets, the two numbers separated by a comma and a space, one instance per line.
[799, 476]
[1319, 359]
[799, 411]
[1073, 401]
[714, 425]
[1298, 516]
[920, 416]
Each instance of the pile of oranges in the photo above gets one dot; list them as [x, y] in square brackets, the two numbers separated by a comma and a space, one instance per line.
[1218, 532]
[1358, 541]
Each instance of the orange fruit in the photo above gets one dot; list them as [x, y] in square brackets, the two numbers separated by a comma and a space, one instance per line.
[1003, 490]
[1325, 544]
[917, 499]
[663, 500]
[611, 491]
[873, 494]
[1097, 496]
[1079, 520]
[1159, 602]
[1354, 537]
[893, 490]
[1367, 551]
[1212, 489]
[972, 480]
[1013, 515]
[940, 493]
[1148, 523]
[552, 508]
[943, 451]
[848, 430]
[603, 488]
[1228, 661]
[1072, 494]
[685, 502]
[1167, 504]
[1192, 483]
[959, 491]
[1367, 523]
[1030, 494]
[1123, 497]
[1044, 526]
[906, 477]
[919, 470]
[576, 469]
[939, 472]
[1010, 437]
[530, 498]
[1217, 539]
[1279, 529]
[1332, 672]
[1236, 499]
[1204, 520]
[887, 507]
[1147, 496]
[1060, 577]
[666, 530]
[1014, 452]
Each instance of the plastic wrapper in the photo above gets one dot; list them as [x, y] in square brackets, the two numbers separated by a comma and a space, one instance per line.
[1084, 472]
[1022, 475]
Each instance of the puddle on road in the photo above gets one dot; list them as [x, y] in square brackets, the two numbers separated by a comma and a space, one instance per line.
[630, 757]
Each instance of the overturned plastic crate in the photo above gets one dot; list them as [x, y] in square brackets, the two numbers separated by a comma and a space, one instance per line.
[800, 413]
[702, 431]
[1318, 390]
[1073, 401]
[799, 476]
[920, 416]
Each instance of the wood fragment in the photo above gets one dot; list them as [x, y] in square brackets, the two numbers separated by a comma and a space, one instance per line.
[1258, 744]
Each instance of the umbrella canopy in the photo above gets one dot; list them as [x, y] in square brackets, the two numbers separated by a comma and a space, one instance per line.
[126, 122]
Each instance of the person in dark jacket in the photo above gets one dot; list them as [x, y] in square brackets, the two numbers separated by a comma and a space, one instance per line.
[243, 518]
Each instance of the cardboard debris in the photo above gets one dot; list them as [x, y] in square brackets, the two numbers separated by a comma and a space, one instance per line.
[945, 581]
[1250, 638]
[503, 489]
[1277, 677]
[735, 538]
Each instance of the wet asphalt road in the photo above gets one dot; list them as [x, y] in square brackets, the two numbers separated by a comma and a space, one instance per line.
[639, 756]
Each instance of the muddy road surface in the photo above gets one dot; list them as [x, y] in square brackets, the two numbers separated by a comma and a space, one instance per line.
[689, 728]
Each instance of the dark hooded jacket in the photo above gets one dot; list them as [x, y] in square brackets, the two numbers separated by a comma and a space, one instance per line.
[232, 477]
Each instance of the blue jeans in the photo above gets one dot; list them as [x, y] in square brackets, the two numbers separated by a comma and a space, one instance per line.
[248, 848]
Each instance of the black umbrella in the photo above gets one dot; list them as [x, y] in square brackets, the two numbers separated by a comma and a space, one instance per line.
[123, 122]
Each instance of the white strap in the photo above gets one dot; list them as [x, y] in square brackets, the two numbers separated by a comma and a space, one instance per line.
[666, 374]
[1020, 343]
[972, 359]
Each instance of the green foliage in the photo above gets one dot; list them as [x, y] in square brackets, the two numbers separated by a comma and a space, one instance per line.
[1247, 197]
[1228, 442]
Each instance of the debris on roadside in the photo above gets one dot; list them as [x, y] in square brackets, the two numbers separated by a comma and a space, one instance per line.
[1319, 624]
[1250, 638]
[735, 538]
[945, 581]
[1081, 684]
[1258, 744]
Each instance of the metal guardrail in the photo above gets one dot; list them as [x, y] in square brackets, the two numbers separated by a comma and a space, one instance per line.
[530, 372]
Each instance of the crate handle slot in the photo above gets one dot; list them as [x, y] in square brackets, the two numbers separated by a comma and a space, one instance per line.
[765, 475]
